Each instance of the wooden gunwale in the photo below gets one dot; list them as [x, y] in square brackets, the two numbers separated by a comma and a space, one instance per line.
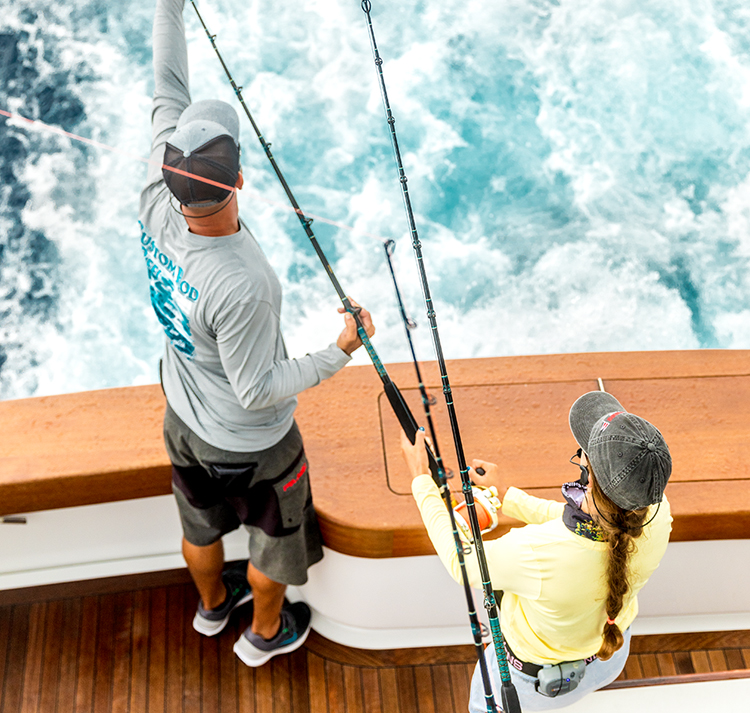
[103, 446]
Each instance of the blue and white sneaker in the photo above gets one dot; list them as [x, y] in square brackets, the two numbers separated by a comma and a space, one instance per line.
[210, 622]
[254, 650]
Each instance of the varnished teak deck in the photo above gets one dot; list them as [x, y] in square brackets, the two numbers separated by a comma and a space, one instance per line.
[136, 651]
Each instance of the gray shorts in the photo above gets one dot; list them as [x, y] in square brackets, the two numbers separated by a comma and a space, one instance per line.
[268, 492]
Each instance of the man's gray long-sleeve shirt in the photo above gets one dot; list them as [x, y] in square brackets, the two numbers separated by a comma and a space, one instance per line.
[226, 373]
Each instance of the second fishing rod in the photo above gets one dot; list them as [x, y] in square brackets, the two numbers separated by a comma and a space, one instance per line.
[511, 703]
[396, 400]
[427, 402]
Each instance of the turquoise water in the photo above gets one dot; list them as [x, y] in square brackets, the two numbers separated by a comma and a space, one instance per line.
[580, 174]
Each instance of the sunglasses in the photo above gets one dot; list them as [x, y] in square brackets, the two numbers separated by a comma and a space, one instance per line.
[584, 479]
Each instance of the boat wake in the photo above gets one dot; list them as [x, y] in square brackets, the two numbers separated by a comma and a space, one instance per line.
[580, 175]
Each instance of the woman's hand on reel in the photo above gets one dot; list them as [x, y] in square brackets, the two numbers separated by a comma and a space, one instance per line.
[486, 474]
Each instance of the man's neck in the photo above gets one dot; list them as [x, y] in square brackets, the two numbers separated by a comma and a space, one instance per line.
[216, 223]
[213, 228]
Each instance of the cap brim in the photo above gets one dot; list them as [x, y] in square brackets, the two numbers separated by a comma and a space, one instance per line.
[587, 410]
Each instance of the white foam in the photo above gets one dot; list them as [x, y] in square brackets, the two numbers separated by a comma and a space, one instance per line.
[580, 175]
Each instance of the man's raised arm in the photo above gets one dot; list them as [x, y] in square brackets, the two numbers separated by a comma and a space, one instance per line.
[171, 85]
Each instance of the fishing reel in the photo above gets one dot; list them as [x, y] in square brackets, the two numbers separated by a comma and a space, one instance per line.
[487, 504]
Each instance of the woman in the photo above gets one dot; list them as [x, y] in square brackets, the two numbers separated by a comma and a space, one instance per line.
[571, 576]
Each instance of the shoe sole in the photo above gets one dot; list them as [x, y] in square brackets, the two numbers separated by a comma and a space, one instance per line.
[254, 657]
[212, 628]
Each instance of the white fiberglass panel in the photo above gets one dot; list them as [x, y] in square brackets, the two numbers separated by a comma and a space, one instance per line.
[369, 603]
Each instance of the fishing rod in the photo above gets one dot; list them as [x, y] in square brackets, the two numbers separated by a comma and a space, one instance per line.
[399, 406]
[511, 703]
[476, 627]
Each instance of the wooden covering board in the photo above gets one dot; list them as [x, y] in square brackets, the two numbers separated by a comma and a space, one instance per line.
[83, 448]
[102, 446]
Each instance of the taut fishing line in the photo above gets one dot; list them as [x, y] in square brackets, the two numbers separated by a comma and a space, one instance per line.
[409, 325]
[510, 701]
[404, 415]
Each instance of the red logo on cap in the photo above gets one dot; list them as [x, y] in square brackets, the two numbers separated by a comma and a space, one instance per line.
[609, 420]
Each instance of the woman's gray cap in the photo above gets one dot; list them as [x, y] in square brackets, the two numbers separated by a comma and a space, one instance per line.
[205, 143]
[629, 456]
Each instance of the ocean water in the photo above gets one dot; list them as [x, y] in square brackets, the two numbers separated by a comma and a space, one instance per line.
[580, 174]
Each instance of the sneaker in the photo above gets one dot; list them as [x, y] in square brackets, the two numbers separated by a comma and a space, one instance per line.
[210, 622]
[254, 650]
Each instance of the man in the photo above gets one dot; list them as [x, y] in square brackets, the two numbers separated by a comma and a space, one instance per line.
[229, 428]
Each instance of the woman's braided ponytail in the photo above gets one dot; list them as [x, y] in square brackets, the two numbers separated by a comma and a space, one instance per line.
[621, 528]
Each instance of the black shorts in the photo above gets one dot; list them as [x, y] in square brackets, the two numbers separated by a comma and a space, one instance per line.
[268, 492]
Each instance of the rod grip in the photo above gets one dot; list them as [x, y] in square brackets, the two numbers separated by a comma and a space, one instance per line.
[509, 697]
[408, 423]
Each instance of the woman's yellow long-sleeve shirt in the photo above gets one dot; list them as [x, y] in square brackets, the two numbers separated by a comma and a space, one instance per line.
[554, 580]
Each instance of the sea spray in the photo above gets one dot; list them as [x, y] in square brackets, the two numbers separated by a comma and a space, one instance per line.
[565, 161]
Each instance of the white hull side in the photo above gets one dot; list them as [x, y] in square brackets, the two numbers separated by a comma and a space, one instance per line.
[359, 602]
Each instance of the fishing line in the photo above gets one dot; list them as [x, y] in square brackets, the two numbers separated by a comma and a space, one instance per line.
[41, 126]
[510, 701]
[404, 415]
[409, 325]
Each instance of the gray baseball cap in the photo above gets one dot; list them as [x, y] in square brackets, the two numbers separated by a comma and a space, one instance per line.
[630, 458]
[206, 144]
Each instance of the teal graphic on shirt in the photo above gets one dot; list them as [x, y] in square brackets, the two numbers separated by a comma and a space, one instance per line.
[165, 277]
